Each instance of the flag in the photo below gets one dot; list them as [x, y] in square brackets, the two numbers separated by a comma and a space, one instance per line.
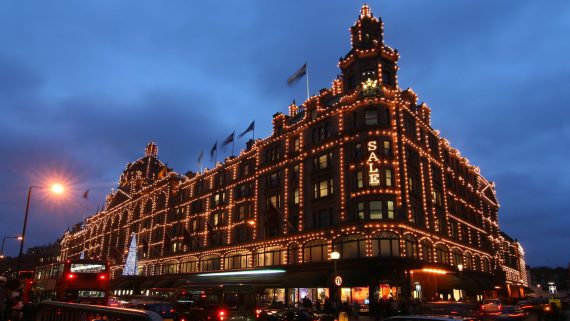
[251, 127]
[86, 194]
[201, 157]
[213, 150]
[297, 75]
[228, 140]
[275, 213]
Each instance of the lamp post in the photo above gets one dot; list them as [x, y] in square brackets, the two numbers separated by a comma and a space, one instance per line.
[334, 257]
[460, 268]
[4, 241]
[55, 188]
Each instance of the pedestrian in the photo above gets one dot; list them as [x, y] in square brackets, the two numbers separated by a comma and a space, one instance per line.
[318, 305]
[3, 297]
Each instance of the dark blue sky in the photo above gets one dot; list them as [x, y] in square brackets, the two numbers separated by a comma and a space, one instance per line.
[84, 85]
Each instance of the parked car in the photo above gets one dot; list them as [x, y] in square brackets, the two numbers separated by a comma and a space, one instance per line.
[511, 312]
[491, 306]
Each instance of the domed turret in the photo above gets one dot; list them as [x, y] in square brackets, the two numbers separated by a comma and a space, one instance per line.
[151, 150]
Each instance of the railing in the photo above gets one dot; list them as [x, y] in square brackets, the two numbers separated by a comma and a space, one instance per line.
[60, 311]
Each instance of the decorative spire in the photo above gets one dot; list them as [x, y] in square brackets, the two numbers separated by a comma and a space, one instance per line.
[365, 11]
[367, 31]
[151, 150]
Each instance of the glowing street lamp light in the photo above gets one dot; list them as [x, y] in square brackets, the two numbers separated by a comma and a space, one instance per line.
[56, 189]
[4, 241]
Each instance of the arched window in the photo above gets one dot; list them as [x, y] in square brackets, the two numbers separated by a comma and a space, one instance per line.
[476, 263]
[269, 256]
[210, 263]
[189, 265]
[293, 254]
[350, 246]
[236, 261]
[386, 244]
[468, 261]
[485, 264]
[457, 257]
[315, 251]
[442, 254]
[170, 267]
[411, 245]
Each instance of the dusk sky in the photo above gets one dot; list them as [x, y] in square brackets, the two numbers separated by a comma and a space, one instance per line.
[85, 85]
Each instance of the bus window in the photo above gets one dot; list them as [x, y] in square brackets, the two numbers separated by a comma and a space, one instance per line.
[231, 300]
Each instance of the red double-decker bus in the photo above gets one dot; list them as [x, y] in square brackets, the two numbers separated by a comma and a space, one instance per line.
[75, 280]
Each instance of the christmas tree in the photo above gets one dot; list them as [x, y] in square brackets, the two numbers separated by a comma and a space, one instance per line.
[132, 260]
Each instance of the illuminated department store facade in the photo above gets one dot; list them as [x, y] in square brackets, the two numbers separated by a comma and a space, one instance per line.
[356, 169]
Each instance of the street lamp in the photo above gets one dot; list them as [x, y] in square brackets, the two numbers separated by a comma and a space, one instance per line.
[4, 241]
[334, 257]
[55, 188]
[460, 268]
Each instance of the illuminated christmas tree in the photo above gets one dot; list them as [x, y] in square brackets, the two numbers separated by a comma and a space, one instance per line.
[132, 260]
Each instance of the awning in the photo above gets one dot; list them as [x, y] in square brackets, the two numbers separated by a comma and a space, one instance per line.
[448, 282]
[306, 279]
[352, 278]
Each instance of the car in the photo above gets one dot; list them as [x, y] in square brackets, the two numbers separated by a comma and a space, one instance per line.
[511, 312]
[164, 309]
[491, 306]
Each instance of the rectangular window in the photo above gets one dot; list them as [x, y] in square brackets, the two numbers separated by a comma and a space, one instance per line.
[360, 210]
[275, 200]
[273, 180]
[359, 179]
[323, 161]
[297, 144]
[387, 148]
[388, 174]
[219, 199]
[324, 218]
[411, 184]
[390, 209]
[296, 197]
[371, 117]
[216, 219]
[375, 210]
[245, 170]
[242, 211]
[295, 172]
[358, 151]
[324, 188]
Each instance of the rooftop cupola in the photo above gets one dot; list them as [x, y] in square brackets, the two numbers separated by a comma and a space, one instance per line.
[151, 150]
[367, 32]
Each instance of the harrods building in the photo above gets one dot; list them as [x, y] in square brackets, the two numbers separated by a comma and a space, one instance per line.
[356, 169]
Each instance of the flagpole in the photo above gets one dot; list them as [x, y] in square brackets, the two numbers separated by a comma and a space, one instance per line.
[307, 72]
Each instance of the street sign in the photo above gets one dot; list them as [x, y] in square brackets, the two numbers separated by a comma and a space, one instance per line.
[338, 280]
